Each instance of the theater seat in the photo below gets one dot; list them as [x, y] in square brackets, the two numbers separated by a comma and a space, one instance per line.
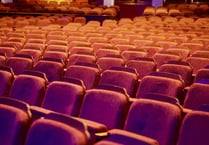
[15, 120]
[181, 68]
[6, 77]
[120, 137]
[87, 72]
[29, 87]
[60, 129]
[197, 95]
[194, 128]
[64, 96]
[201, 74]
[161, 82]
[143, 65]
[126, 78]
[105, 105]
[53, 68]
[109, 61]
[20, 63]
[155, 119]
[148, 122]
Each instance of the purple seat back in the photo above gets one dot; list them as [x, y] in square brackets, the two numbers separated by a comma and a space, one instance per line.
[105, 106]
[29, 88]
[57, 131]
[156, 119]
[63, 97]
[196, 96]
[194, 129]
[15, 118]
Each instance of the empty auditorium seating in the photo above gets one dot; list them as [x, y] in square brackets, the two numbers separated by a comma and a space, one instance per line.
[151, 49]
[35, 46]
[35, 54]
[197, 95]
[128, 78]
[20, 63]
[53, 68]
[116, 137]
[163, 57]
[87, 72]
[85, 57]
[56, 55]
[7, 77]
[92, 63]
[197, 133]
[101, 52]
[153, 121]
[59, 128]
[105, 105]
[109, 61]
[29, 87]
[131, 54]
[197, 62]
[64, 96]
[201, 74]
[161, 82]
[15, 120]
[8, 50]
[181, 68]
[143, 65]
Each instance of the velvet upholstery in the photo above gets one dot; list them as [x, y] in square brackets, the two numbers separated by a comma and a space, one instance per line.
[53, 69]
[163, 98]
[194, 129]
[201, 74]
[29, 87]
[86, 72]
[197, 63]
[78, 43]
[162, 58]
[20, 63]
[120, 137]
[123, 77]
[155, 119]
[63, 97]
[143, 66]
[56, 54]
[160, 84]
[35, 54]
[15, 118]
[184, 71]
[78, 49]
[105, 106]
[36, 46]
[6, 77]
[59, 48]
[8, 50]
[101, 52]
[51, 132]
[133, 53]
[107, 62]
[150, 48]
[99, 45]
[196, 96]
[74, 58]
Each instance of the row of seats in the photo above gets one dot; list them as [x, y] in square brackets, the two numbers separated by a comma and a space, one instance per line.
[104, 119]
[85, 44]
[176, 10]
[167, 82]
[84, 9]
[143, 66]
[108, 106]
